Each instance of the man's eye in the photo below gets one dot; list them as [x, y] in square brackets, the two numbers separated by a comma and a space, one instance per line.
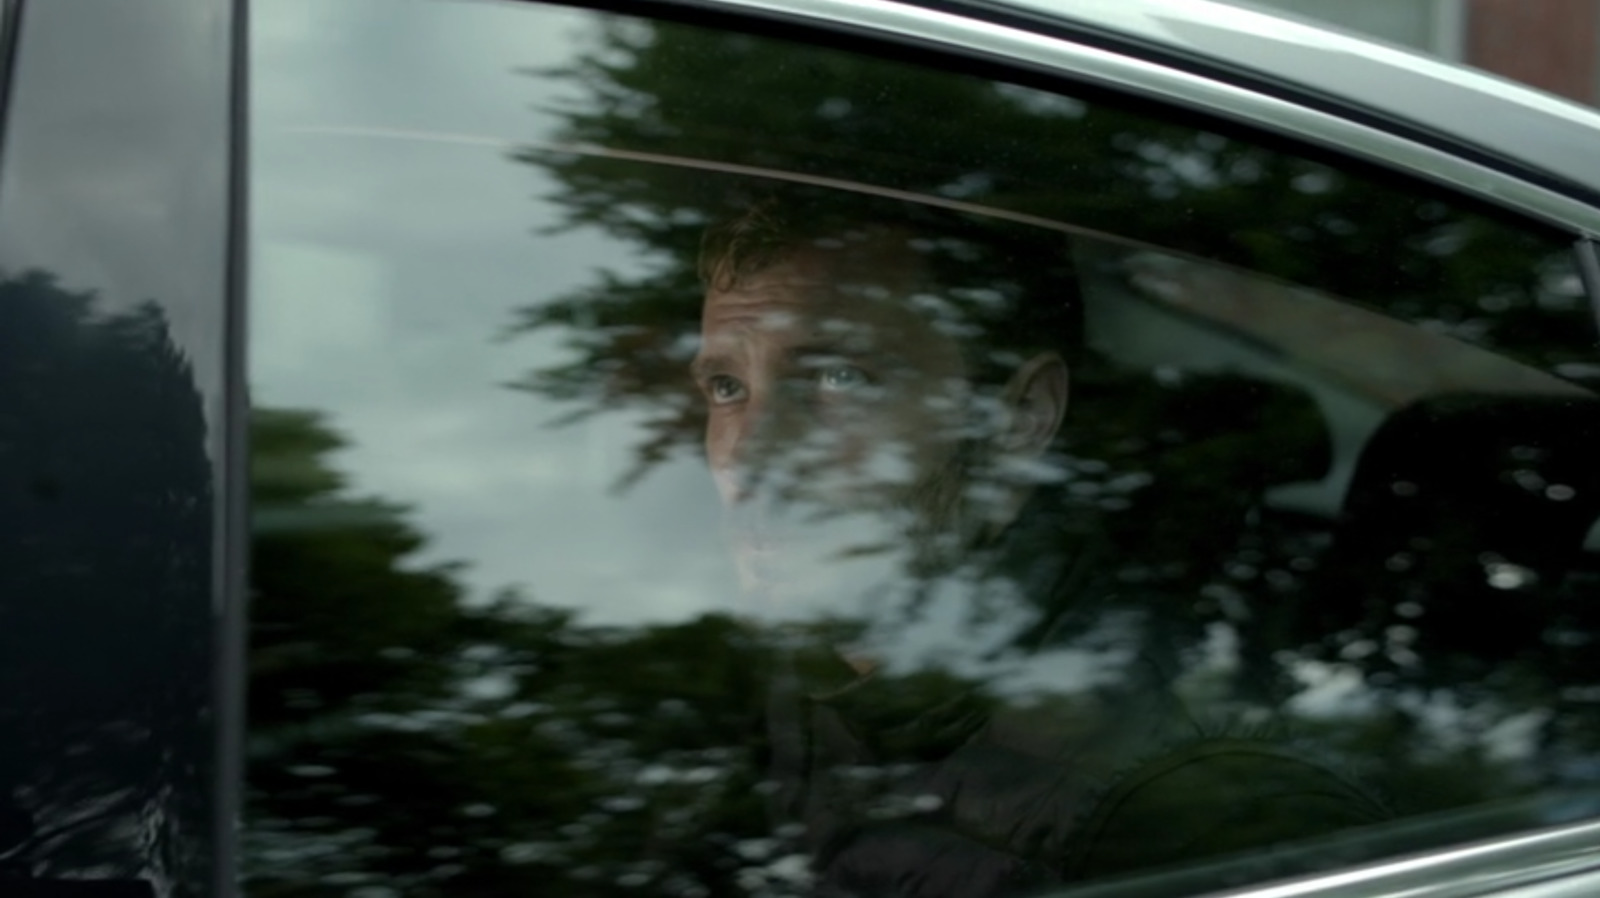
[723, 389]
[842, 378]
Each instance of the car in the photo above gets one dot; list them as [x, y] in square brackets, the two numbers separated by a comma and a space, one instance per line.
[790, 447]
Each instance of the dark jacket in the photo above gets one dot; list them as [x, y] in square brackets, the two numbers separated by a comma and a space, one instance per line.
[979, 799]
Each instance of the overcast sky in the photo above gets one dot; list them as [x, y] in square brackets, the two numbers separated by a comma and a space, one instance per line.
[393, 242]
[388, 262]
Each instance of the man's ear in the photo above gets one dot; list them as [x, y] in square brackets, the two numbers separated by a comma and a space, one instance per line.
[1036, 401]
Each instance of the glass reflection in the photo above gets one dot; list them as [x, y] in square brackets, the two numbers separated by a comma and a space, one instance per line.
[103, 583]
[1030, 506]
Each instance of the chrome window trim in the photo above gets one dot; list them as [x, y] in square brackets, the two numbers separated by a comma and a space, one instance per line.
[230, 679]
[1017, 48]
[1551, 863]
[1588, 254]
[1584, 886]
[1459, 108]
[10, 25]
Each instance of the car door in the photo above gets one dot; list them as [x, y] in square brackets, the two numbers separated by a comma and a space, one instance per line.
[117, 413]
[1127, 480]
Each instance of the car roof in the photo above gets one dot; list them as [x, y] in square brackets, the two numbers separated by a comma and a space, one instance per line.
[1496, 122]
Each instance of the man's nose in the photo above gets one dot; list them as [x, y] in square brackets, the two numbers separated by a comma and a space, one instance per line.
[772, 428]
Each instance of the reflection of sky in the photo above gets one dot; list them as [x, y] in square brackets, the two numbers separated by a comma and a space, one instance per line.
[385, 270]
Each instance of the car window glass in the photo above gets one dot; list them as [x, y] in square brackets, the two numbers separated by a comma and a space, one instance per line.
[694, 462]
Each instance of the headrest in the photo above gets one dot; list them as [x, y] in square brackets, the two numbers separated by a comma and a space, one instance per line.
[1519, 476]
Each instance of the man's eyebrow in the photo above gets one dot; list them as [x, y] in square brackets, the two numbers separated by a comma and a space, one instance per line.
[704, 366]
[816, 348]
[810, 352]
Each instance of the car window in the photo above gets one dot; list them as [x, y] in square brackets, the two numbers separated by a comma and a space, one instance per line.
[698, 461]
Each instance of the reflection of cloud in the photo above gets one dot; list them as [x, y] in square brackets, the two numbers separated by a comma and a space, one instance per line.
[451, 66]
[384, 274]
[420, 396]
[1335, 691]
[1330, 690]
[312, 304]
[969, 629]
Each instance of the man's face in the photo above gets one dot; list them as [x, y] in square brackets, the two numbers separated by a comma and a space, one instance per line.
[836, 413]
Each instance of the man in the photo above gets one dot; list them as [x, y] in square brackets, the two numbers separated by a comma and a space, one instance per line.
[882, 407]
[844, 414]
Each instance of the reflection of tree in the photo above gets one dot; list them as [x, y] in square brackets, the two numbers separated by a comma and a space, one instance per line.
[1106, 166]
[1170, 469]
[402, 739]
[105, 584]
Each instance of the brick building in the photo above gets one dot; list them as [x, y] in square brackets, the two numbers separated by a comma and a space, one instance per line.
[1551, 44]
